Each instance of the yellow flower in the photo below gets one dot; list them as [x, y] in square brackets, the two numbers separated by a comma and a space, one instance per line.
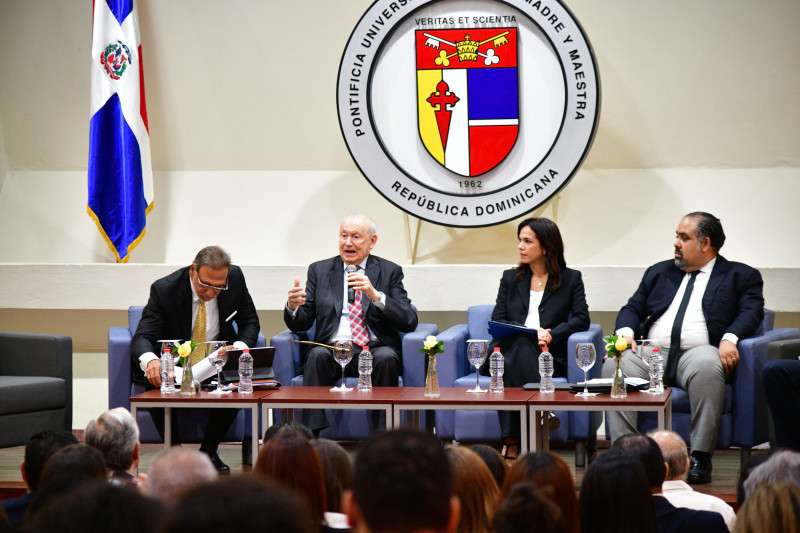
[430, 342]
[185, 349]
[621, 344]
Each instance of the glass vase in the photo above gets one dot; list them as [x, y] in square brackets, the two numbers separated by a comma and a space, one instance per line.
[187, 380]
[618, 389]
[431, 379]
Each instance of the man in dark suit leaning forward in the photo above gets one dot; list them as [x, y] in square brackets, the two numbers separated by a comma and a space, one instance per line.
[199, 302]
[697, 307]
[380, 310]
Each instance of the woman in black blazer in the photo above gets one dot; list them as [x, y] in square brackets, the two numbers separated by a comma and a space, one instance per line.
[542, 276]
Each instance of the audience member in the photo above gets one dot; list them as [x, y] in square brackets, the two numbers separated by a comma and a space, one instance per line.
[116, 435]
[97, 507]
[37, 451]
[744, 472]
[771, 508]
[402, 483]
[240, 504]
[475, 488]
[615, 496]
[175, 470]
[525, 509]
[289, 460]
[496, 463]
[280, 427]
[671, 519]
[338, 472]
[675, 489]
[551, 476]
[781, 466]
[67, 469]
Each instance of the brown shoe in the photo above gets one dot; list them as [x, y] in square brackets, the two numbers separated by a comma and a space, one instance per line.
[552, 421]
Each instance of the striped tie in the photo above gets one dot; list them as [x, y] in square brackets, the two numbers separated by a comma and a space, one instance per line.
[199, 334]
[357, 326]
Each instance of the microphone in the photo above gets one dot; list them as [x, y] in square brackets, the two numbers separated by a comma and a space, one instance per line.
[351, 293]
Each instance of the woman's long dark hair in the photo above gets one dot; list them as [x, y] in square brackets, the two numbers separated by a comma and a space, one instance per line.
[615, 496]
[549, 238]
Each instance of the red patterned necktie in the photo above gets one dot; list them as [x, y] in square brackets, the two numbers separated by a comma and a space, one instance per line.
[357, 326]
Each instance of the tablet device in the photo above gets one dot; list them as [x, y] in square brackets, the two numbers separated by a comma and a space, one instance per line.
[262, 364]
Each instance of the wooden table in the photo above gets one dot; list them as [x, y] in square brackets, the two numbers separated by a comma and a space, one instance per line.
[457, 398]
[379, 399]
[562, 400]
[203, 399]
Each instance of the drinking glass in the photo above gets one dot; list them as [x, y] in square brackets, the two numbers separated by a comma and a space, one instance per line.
[476, 353]
[585, 356]
[343, 353]
[218, 358]
[646, 352]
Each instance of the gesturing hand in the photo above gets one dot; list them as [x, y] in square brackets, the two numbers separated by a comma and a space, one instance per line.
[297, 295]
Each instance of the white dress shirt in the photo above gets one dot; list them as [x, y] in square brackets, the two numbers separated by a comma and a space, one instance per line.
[681, 494]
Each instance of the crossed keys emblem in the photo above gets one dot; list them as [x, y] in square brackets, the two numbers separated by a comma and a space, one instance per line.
[467, 50]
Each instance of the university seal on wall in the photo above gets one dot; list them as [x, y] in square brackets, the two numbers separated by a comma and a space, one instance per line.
[468, 113]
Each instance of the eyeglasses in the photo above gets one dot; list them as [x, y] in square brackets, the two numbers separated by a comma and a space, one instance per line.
[216, 288]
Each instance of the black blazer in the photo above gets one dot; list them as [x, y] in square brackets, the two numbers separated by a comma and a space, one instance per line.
[564, 312]
[673, 519]
[733, 301]
[168, 314]
[325, 295]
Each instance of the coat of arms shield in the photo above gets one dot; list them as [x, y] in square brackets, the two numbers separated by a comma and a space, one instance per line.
[467, 96]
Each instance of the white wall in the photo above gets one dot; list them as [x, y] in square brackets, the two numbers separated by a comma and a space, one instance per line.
[699, 112]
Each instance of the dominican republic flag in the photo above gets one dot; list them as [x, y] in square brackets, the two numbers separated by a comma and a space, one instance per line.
[120, 175]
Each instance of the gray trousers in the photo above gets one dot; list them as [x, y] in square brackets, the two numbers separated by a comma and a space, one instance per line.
[700, 374]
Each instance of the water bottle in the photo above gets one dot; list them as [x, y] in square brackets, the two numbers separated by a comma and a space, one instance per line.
[496, 369]
[365, 370]
[656, 372]
[167, 372]
[245, 372]
[546, 371]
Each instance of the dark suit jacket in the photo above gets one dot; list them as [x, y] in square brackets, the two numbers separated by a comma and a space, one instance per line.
[324, 298]
[564, 312]
[733, 300]
[673, 519]
[168, 314]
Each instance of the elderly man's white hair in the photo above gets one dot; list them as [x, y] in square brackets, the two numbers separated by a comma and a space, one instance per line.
[782, 466]
[359, 218]
[115, 434]
[175, 470]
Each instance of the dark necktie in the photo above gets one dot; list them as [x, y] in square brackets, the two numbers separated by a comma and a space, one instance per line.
[675, 341]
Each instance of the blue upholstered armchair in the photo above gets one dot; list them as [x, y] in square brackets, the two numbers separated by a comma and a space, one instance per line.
[455, 371]
[192, 422]
[745, 416]
[348, 424]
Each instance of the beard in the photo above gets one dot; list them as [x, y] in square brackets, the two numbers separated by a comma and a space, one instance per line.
[680, 262]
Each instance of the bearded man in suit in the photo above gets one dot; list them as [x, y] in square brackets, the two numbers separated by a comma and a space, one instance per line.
[697, 307]
[201, 302]
[373, 313]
